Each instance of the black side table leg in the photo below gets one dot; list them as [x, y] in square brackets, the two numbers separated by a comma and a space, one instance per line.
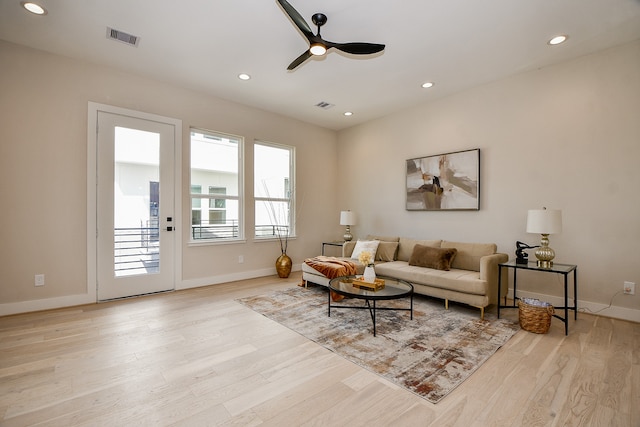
[499, 291]
[566, 307]
[575, 294]
[515, 285]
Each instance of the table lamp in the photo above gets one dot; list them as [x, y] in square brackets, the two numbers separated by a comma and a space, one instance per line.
[347, 218]
[544, 221]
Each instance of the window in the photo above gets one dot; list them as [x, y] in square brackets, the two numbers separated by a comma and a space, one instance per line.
[273, 190]
[216, 165]
[196, 214]
[217, 207]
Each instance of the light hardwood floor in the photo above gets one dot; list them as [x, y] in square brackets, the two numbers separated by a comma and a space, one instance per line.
[198, 357]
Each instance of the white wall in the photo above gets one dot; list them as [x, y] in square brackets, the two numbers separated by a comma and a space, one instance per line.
[565, 137]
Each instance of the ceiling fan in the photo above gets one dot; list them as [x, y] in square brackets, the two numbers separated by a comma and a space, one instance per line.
[319, 46]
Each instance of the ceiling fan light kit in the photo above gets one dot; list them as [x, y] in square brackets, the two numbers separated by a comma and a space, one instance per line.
[317, 45]
[317, 49]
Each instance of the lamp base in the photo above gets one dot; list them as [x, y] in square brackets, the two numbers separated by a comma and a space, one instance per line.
[347, 235]
[544, 253]
[545, 264]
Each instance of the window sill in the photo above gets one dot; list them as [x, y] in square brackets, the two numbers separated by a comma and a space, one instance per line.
[196, 243]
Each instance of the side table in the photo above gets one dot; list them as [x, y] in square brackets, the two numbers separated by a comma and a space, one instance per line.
[563, 269]
[338, 243]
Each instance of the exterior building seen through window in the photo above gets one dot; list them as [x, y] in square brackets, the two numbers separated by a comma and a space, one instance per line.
[216, 186]
[274, 190]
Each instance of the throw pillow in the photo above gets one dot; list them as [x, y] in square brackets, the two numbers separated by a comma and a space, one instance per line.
[387, 251]
[365, 245]
[426, 256]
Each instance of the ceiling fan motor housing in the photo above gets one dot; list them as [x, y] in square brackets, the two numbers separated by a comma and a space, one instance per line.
[319, 19]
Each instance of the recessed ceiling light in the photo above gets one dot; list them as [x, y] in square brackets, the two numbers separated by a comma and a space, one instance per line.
[348, 113]
[427, 85]
[34, 8]
[244, 76]
[558, 39]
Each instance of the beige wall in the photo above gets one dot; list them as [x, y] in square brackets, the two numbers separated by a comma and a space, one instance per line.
[43, 167]
[566, 137]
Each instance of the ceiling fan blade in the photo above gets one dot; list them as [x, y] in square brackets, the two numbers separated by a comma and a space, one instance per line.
[357, 48]
[299, 60]
[297, 19]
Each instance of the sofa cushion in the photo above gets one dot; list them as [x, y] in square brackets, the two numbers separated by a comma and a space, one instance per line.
[387, 251]
[427, 256]
[469, 254]
[347, 248]
[464, 281]
[383, 238]
[406, 247]
[365, 245]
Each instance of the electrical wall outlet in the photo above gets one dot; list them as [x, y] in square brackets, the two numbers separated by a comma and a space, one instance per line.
[39, 281]
[629, 288]
[240, 259]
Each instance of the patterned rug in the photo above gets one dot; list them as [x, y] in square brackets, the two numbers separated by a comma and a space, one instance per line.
[429, 355]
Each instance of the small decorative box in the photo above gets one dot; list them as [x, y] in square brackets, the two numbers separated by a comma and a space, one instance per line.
[368, 286]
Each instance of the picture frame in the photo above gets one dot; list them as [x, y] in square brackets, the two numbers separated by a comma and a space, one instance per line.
[444, 182]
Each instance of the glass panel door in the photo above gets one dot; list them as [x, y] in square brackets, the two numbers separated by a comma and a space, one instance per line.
[135, 202]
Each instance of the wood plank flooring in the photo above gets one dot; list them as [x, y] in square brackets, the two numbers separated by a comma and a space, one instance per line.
[198, 358]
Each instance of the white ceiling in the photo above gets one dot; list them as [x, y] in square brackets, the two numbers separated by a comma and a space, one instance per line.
[205, 44]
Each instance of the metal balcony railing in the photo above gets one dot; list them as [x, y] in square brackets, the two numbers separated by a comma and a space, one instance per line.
[217, 230]
[137, 250]
[231, 229]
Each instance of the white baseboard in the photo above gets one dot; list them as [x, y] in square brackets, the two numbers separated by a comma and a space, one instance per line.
[233, 277]
[585, 306]
[7, 309]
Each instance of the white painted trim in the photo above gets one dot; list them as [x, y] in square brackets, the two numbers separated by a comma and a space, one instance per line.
[92, 136]
[7, 309]
[588, 307]
[233, 277]
[90, 298]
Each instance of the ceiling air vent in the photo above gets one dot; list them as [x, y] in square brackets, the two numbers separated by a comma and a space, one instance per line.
[324, 105]
[123, 37]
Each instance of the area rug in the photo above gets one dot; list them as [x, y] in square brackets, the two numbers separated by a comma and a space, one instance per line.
[429, 355]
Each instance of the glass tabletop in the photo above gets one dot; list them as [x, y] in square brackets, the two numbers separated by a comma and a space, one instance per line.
[393, 288]
[532, 265]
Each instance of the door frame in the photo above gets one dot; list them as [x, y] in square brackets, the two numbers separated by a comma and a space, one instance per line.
[92, 182]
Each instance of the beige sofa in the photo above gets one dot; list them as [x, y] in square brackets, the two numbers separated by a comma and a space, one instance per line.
[472, 278]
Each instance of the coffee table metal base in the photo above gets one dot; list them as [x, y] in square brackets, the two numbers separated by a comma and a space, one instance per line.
[370, 304]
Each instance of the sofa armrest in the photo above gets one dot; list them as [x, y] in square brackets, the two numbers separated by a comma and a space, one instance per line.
[347, 249]
[489, 272]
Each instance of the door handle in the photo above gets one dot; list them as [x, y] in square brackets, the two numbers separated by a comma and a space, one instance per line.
[169, 228]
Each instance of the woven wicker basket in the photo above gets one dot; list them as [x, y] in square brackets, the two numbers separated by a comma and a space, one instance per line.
[534, 318]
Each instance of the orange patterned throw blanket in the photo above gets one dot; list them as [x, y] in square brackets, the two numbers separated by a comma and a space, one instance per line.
[332, 267]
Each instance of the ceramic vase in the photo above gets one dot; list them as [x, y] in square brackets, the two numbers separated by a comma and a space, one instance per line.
[283, 266]
[369, 275]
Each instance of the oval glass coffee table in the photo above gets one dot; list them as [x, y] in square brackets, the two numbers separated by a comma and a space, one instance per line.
[393, 289]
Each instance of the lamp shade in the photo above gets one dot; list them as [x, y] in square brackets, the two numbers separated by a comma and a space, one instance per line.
[544, 221]
[347, 218]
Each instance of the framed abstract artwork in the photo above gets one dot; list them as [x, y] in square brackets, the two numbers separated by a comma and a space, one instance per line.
[444, 182]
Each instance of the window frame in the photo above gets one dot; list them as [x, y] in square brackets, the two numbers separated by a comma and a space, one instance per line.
[290, 185]
[207, 198]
